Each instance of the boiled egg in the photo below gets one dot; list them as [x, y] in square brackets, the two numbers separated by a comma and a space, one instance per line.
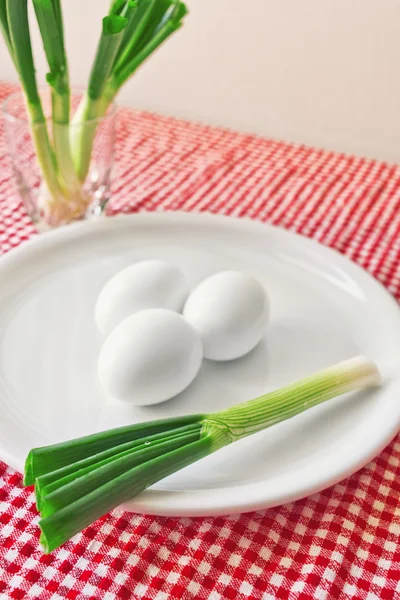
[150, 357]
[230, 312]
[145, 284]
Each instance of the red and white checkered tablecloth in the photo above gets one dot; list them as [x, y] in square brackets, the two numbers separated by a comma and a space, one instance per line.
[342, 543]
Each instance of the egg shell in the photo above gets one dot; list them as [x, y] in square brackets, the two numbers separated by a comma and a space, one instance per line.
[150, 357]
[145, 284]
[230, 311]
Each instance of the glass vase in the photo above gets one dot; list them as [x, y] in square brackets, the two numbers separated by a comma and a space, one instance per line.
[89, 194]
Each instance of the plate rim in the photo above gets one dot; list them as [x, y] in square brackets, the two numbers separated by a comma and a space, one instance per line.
[203, 502]
[45, 238]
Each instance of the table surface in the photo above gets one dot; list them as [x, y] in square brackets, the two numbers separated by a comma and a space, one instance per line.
[341, 543]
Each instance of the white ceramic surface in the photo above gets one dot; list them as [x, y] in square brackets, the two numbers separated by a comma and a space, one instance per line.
[323, 309]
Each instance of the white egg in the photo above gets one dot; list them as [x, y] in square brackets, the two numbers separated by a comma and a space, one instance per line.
[150, 357]
[146, 284]
[230, 311]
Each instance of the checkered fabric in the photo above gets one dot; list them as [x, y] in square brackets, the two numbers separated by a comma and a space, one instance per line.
[342, 543]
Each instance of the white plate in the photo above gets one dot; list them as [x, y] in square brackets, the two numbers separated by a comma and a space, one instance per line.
[324, 309]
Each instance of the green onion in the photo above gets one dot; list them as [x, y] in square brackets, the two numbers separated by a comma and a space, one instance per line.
[141, 28]
[152, 23]
[49, 18]
[19, 38]
[131, 32]
[5, 30]
[85, 121]
[78, 481]
[111, 38]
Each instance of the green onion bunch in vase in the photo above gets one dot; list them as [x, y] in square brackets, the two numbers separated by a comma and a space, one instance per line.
[72, 134]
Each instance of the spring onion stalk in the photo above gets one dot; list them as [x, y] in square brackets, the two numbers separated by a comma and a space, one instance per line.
[93, 105]
[5, 29]
[49, 18]
[131, 33]
[18, 35]
[78, 481]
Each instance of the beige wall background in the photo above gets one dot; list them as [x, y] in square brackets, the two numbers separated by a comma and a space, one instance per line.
[321, 72]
